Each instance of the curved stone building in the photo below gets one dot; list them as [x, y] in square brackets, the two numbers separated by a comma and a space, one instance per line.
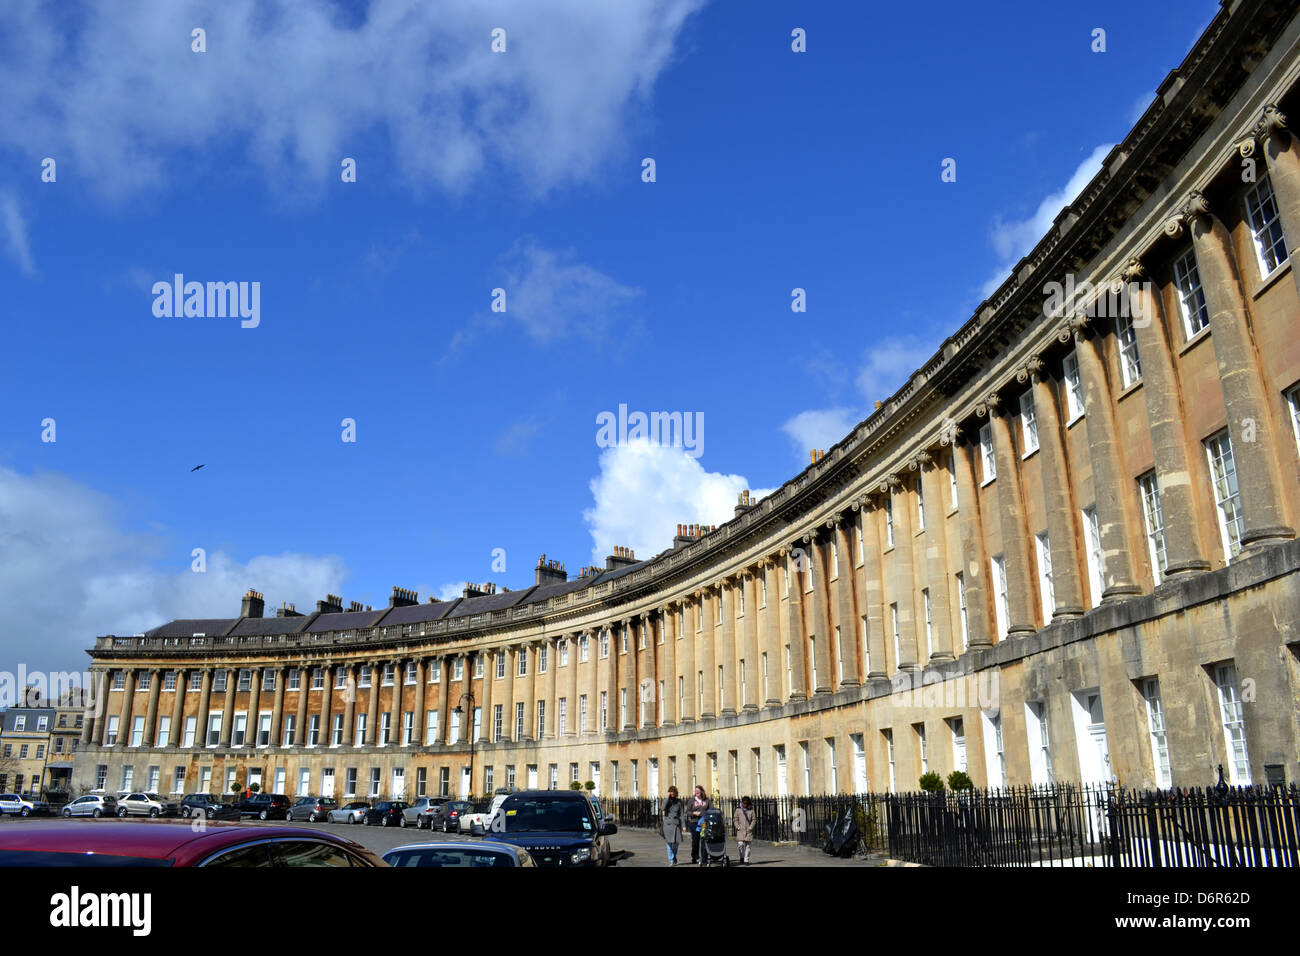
[1064, 550]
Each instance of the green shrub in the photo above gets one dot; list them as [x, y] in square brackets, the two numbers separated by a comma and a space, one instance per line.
[589, 785]
[958, 780]
[255, 787]
[574, 785]
[931, 782]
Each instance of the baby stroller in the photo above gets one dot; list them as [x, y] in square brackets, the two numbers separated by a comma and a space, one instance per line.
[713, 839]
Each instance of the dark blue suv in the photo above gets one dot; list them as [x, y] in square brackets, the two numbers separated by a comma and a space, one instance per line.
[556, 827]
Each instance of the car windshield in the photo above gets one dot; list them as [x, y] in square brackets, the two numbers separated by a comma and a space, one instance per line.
[446, 856]
[541, 813]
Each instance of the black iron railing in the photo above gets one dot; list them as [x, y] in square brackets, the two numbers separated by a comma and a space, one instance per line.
[1056, 825]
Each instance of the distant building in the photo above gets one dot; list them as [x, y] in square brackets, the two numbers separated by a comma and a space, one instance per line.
[24, 742]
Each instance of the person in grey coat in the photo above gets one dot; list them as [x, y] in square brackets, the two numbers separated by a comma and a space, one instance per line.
[674, 824]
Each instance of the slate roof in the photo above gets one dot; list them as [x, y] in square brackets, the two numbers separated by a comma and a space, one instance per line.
[271, 625]
[346, 621]
[188, 627]
[418, 613]
[490, 602]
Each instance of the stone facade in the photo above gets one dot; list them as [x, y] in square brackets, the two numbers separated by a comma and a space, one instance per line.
[1064, 550]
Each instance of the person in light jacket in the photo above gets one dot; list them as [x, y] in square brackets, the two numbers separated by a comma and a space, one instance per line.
[695, 808]
[743, 821]
[673, 824]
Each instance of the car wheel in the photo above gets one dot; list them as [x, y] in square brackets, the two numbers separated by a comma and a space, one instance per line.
[26, 812]
[67, 812]
[262, 815]
[212, 813]
[403, 821]
[121, 814]
[97, 813]
[384, 818]
[311, 817]
[153, 812]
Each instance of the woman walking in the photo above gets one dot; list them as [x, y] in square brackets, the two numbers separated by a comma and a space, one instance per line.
[674, 824]
[694, 810]
[743, 821]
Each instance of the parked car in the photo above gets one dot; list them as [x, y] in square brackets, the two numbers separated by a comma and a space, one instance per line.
[354, 812]
[559, 828]
[21, 806]
[208, 805]
[312, 809]
[479, 821]
[386, 813]
[92, 805]
[459, 854]
[145, 804]
[446, 816]
[176, 843]
[265, 806]
[421, 807]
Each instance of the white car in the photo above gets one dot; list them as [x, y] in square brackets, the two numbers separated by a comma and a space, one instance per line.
[20, 806]
[482, 822]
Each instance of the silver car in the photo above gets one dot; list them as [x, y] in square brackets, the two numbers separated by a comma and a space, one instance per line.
[458, 854]
[354, 812]
[421, 808]
[92, 805]
[145, 804]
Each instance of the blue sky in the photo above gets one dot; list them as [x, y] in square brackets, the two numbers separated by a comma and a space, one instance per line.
[478, 170]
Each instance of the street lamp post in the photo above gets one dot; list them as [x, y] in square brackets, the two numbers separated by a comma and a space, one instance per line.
[469, 718]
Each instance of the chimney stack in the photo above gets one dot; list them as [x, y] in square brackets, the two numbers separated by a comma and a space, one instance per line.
[550, 572]
[333, 604]
[287, 610]
[401, 597]
[479, 590]
[356, 606]
[253, 604]
[744, 502]
[621, 558]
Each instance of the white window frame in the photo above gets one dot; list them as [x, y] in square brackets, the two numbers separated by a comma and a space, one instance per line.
[1233, 721]
[1046, 587]
[1156, 731]
[1227, 492]
[1096, 558]
[988, 458]
[1154, 522]
[961, 600]
[1130, 362]
[999, 579]
[1271, 252]
[1028, 423]
[1191, 295]
[1074, 403]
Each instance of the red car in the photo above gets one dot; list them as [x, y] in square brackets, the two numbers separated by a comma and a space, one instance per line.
[175, 843]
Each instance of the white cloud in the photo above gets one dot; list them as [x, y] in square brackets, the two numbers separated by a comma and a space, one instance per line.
[820, 428]
[14, 227]
[451, 591]
[553, 295]
[645, 490]
[71, 570]
[1013, 238]
[115, 90]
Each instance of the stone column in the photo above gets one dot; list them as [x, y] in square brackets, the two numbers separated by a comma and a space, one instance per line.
[974, 564]
[753, 663]
[507, 697]
[549, 683]
[707, 663]
[627, 678]
[177, 735]
[820, 579]
[570, 727]
[687, 664]
[304, 698]
[228, 706]
[444, 696]
[254, 703]
[796, 636]
[395, 721]
[326, 705]
[1015, 536]
[489, 677]
[873, 589]
[771, 636]
[905, 590]
[419, 720]
[1058, 504]
[205, 704]
[1184, 550]
[727, 646]
[1283, 162]
[150, 736]
[350, 707]
[848, 622]
[668, 663]
[277, 708]
[1245, 393]
[1109, 482]
[529, 691]
[935, 545]
[128, 702]
[611, 679]
[93, 721]
[593, 681]
[371, 734]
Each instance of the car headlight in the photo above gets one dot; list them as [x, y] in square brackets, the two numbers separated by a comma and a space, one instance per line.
[580, 856]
